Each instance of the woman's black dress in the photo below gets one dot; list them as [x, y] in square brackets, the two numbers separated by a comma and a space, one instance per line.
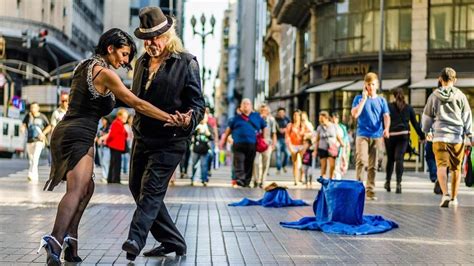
[74, 135]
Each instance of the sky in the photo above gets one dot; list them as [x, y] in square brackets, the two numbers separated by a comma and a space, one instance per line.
[213, 42]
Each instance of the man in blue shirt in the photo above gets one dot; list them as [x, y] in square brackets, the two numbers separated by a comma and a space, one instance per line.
[373, 123]
[244, 128]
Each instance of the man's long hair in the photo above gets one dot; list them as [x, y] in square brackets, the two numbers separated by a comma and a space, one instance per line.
[174, 44]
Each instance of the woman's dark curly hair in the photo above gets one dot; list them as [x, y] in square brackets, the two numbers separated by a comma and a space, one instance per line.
[118, 38]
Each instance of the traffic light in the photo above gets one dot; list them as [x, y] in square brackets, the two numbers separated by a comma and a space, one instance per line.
[25, 39]
[42, 37]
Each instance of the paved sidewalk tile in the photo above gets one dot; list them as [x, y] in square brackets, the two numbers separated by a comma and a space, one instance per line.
[217, 234]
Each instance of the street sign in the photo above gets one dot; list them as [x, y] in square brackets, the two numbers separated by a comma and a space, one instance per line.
[2, 48]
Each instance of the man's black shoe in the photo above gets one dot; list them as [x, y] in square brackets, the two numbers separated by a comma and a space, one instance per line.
[132, 249]
[162, 251]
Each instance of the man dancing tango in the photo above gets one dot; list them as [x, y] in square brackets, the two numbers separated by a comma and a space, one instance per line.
[167, 77]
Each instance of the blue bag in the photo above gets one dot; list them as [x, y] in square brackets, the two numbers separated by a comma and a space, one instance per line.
[339, 209]
[340, 201]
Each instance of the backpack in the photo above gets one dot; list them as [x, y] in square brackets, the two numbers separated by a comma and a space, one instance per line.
[201, 144]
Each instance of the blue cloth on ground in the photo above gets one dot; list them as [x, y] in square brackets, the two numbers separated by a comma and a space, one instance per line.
[276, 198]
[338, 209]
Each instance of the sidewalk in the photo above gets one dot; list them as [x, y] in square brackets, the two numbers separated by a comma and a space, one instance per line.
[220, 235]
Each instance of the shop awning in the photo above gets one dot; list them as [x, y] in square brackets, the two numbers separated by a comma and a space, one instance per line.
[330, 86]
[433, 83]
[387, 84]
[423, 84]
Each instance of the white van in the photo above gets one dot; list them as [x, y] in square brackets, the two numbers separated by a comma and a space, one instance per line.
[11, 139]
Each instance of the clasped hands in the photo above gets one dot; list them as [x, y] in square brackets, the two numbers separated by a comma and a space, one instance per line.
[179, 119]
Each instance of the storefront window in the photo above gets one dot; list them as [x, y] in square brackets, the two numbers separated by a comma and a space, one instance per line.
[307, 45]
[452, 24]
[353, 26]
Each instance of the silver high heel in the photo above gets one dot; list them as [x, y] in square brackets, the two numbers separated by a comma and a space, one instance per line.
[51, 257]
[66, 255]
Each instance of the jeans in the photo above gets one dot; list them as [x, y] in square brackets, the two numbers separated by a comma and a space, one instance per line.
[204, 159]
[431, 161]
[212, 156]
[281, 150]
[183, 165]
[104, 156]
[125, 162]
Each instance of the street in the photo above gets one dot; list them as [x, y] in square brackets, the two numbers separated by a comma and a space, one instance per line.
[220, 235]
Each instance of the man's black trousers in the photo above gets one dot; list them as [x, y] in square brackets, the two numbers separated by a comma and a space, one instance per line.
[244, 155]
[150, 172]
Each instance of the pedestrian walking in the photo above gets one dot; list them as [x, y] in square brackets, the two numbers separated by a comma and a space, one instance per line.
[244, 128]
[328, 141]
[183, 165]
[281, 148]
[128, 145]
[168, 77]
[212, 123]
[117, 142]
[447, 119]
[201, 150]
[59, 113]
[102, 149]
[295, 134]
[93, 90]
[262, 159]
[343, 158]
[373, 123]
[37, 126]
[308, 154]
[401, 114]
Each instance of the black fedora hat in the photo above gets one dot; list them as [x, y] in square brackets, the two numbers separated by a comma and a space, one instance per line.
[152, 23]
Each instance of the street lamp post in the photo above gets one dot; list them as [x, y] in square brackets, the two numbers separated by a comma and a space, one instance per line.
[203, 35]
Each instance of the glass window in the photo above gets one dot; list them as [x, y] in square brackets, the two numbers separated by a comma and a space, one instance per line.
[368, 32]
[17, 130]
[452, 26]
[354, 33]
[440, 27]
[405, 29]
[326, 32]
[5, 129]
[307, 45]
[341, 34]
[353, 26]
[391, 29]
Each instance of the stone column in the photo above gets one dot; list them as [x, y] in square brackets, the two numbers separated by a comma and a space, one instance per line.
[419, 49]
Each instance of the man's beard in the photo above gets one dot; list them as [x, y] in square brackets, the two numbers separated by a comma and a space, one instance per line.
[153, 51]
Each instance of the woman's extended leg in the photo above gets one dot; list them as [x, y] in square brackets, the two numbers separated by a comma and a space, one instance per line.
[74, 226]
[78, 186]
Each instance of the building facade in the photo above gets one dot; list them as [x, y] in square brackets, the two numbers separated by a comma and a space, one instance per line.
[337, 43]
[40, 36]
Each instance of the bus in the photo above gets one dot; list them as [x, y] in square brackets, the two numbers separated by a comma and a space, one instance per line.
[11, 139]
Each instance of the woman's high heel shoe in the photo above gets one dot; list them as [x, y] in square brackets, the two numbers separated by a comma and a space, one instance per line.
[52, 259]
[67, 250]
